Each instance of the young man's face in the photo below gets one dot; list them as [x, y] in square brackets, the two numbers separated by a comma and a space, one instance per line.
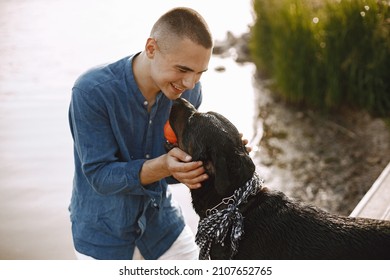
[179, 67]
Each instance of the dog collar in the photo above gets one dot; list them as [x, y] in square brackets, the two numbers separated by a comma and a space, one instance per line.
[217, 223]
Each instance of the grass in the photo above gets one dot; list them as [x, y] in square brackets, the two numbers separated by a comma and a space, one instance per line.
[326, 54]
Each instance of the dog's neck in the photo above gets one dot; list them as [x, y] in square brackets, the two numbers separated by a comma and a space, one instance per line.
[207, 197]
[245, 192]
[226, 217]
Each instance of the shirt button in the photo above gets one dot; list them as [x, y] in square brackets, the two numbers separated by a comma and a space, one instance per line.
[147, 156]
[150, 122]
[146, 103]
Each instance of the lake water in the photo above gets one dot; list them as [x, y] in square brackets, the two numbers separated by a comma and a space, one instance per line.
[44, 46]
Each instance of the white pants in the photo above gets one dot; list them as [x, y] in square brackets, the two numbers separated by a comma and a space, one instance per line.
[184, 248]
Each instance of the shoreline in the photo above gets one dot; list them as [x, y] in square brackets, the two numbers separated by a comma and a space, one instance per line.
[329, 160]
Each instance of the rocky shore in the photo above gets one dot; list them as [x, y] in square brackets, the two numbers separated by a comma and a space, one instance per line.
[327, 159]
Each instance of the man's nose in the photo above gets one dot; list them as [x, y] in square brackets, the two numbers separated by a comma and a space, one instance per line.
[189, 80]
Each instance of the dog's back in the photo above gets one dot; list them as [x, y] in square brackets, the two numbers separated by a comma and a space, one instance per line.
[280, 228]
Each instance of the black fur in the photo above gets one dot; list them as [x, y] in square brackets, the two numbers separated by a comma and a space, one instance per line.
[275, 226]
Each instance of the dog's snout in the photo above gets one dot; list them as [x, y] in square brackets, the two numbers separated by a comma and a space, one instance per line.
[182, 104]
[181, 110]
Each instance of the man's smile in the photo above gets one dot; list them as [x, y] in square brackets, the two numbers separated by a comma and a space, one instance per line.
[178, 89]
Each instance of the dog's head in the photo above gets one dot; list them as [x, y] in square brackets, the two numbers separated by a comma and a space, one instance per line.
[214, 140]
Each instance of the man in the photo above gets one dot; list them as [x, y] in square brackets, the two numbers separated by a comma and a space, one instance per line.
[120, 206]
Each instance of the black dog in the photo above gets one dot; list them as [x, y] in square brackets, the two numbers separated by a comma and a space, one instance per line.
[241, 219]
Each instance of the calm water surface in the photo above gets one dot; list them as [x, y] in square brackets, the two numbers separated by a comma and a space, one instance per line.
[44, 46]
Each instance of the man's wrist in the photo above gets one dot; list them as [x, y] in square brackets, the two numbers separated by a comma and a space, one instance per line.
[154, 170]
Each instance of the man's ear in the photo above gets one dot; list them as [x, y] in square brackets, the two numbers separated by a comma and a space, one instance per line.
[150, 47]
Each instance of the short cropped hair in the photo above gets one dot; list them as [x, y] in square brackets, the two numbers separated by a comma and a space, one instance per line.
[182, 23]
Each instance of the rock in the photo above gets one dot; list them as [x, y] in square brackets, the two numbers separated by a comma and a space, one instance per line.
[236, 47]
[220, 68]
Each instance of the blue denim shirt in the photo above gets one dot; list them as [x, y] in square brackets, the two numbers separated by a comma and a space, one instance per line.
[114, 134]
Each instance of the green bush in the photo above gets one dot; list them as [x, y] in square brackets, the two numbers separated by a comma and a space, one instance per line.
[326, 53]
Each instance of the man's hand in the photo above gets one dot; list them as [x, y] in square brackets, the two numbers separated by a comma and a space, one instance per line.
[245, 142]
[175, 163]
[180, 166]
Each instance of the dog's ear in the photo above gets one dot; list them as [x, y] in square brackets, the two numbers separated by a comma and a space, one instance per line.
[218, 169]
[221, 174]
[216, 166]
[229, 170]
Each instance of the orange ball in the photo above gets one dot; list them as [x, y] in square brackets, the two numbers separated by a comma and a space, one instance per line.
[169, 133]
